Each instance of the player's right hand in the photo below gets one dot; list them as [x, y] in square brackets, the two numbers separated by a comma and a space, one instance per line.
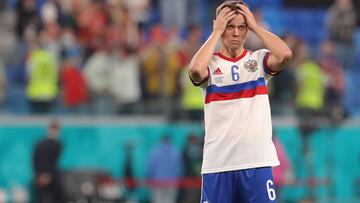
[225, 15]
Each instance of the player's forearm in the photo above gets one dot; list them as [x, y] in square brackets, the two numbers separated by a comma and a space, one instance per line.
[199, 63]
[277, 47]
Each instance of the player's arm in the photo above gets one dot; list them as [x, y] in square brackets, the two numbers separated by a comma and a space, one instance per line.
[280, 52]
[198, 65]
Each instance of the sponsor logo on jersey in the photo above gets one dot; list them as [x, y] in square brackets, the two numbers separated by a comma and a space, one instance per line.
[219, 80]
[217, 72]
[251, 65]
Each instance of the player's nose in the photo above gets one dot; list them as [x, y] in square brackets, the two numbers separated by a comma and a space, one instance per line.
[236, 32]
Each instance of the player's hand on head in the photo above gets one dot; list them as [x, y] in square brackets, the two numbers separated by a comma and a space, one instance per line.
[225, 15]
[249, 17]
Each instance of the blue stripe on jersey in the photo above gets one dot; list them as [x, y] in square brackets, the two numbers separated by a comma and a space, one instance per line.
[237, 87]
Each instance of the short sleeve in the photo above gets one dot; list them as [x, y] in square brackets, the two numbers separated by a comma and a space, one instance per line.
[262, 57]
[266, 66]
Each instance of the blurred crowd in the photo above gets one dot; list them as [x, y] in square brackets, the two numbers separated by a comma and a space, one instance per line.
[171, 172]
[100, 57]
[130, 56]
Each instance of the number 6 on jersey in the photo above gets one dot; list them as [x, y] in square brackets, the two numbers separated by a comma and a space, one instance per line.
[235, 72]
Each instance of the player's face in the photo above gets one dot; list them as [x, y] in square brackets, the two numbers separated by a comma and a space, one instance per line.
[235, 33]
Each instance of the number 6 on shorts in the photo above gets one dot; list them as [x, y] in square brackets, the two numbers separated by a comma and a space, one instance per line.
[270, 191]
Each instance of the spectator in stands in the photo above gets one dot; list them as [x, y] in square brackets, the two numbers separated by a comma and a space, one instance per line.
[192, 156]
[74, 86]
[69, 43]
[92, 21]
[191, 97]
[125, 81]
[335, 81]
[309, 102]
[50, 12]
[161, 68]
[26, 17]
[129, 176]
[51, 41]
[69, 10]
[124, 30]
[45, 164]
[8, 40]
[139, 11]
[97, 70]
[192, 42]
[310, 89]
[310, 92]
[285, 83]
[311, 82]
[42, 73]
[192, 103]
[341, 24]
[164, 170]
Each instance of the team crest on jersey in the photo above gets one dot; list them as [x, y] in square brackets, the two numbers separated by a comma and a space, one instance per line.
[251, 65]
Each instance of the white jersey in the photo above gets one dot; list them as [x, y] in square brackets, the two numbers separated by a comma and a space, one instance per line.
[238, 129]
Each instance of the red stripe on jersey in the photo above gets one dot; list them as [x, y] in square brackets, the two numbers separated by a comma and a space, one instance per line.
[236, 95]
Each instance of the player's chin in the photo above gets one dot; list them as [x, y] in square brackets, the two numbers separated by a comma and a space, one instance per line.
[235, 47]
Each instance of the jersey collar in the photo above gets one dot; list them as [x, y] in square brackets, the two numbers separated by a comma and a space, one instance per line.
[231, 59]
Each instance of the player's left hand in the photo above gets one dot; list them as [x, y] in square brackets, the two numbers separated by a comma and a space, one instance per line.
[250, 19]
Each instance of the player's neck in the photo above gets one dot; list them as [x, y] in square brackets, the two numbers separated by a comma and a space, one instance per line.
[231, 53]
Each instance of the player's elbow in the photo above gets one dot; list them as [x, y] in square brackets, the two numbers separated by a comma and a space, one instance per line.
[194, 69]
[281, 60]
[194, 73]
[286, 56]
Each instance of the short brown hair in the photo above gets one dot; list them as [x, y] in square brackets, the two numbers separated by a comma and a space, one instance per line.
[232, 4]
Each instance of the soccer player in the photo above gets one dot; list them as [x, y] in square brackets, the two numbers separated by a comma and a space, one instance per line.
[238, 150]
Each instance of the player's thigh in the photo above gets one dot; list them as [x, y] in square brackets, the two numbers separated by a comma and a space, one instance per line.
[218, 188]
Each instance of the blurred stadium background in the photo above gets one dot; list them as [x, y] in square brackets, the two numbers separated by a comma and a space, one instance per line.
[113, 73]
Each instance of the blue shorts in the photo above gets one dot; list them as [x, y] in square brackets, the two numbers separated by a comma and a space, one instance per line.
[240, 186]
